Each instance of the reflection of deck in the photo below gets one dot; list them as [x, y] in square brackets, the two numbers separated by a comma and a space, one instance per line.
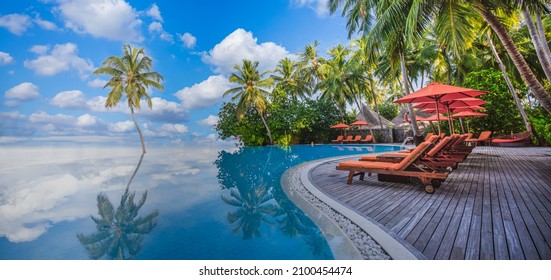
[496, 205]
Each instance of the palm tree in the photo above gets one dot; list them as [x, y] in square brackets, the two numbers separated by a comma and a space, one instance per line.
[287, 79]
[251, 92]
[538, 40]
[484, 8]
[509, 83]
[130, 74]
[310, 62]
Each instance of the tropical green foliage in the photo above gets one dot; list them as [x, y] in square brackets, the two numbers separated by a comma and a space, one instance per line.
[402, 46]
[292, 122]
[389, 110]
[503, 116]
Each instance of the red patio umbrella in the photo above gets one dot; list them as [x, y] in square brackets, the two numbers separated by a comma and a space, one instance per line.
[468, 114]
[359, 123]
[456, 109]
[448, 105]
[436, 118]
[436, 93]
[341, 125]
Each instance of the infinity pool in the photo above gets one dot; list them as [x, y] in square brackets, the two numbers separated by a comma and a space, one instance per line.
[202, 203]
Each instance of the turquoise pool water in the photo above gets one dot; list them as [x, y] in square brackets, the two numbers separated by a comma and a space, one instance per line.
[202, 203]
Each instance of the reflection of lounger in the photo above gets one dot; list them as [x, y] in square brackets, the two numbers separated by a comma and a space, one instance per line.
[406, 167]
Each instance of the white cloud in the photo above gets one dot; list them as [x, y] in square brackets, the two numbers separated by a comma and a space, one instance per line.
[169, 128]
[43, 117]
[210, 121]
[204, 94]
[162, 111]
[121, 127]
[321, 7]
[16, 23]
[156, 28]
[40, 49]
[86, 120]
[5, 58]
[61, 58]
[23, 91]
[12, 115]
[44, 24]
[97, 83]
[154, 12]
[69, 99]
[111, 19]
[240, 45]
[188, 40]
[97, 104]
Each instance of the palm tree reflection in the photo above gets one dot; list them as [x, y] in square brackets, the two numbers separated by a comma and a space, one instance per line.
[120, 231]
[253, 209]
[256, 192]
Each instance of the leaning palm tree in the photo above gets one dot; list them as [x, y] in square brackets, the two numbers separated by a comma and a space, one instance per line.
[130, 74]
[251, 92]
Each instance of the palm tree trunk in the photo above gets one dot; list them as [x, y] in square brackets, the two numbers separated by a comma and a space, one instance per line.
[267, 128]
[135, 172]
[538, 44]
[543, 39]
[509, 83]
[375, 101]
[526, 73]
[138, 128]
[413, 119]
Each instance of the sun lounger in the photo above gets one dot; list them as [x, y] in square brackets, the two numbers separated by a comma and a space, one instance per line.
[517, 140]
[428, 136]
[367, 139]
[407, 167]
[484, 137]
[339, 139]
[434, 158]
[356, 139]
[348, 139]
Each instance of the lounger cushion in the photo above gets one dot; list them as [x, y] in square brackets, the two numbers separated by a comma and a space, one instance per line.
[368, 164]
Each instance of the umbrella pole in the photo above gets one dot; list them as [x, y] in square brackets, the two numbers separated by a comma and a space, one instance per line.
[450, 121]
[462, 127]
[437, 115]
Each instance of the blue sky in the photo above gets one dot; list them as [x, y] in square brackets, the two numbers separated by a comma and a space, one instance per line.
[49, 49]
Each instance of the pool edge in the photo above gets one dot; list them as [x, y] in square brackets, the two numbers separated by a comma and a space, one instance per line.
[395, 249]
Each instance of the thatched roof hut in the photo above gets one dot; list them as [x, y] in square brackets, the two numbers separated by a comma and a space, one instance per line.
[373, 118]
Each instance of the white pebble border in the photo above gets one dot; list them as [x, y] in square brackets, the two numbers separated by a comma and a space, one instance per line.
[295, 181]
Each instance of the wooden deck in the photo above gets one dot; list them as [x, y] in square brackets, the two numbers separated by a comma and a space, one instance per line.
[495, 205]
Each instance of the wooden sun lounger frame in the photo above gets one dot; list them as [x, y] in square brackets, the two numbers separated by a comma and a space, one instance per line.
[411, 169]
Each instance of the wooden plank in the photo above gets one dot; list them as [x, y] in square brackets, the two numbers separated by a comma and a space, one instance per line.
[496, 205]
[501, 250]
